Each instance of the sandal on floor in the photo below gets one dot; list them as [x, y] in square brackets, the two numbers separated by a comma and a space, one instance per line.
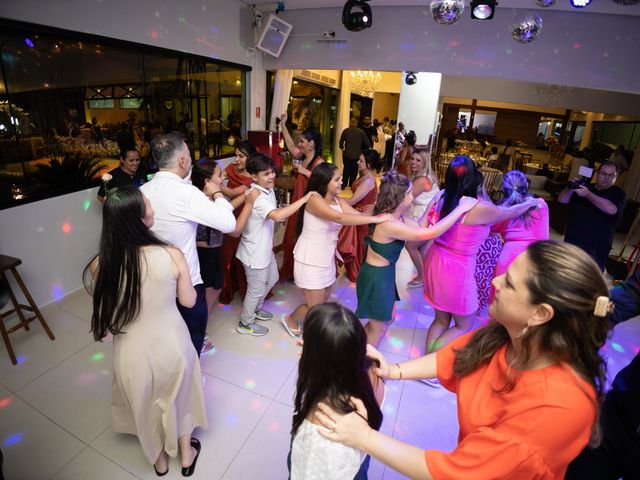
[294, 332]
[188, 471]
[161, 474]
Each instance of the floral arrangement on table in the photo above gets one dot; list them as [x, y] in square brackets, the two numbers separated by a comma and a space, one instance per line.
[78, 146]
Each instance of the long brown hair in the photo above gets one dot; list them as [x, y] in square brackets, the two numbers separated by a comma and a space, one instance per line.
[566, 278]
[393, 190]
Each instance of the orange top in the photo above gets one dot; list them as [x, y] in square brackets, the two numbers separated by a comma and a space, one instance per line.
[531, 432]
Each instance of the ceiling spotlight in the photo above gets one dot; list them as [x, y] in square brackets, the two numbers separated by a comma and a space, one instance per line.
[356, 15]
[580, 3]
[411, 78]
[483, 9]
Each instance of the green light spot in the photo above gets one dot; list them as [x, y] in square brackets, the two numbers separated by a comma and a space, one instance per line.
[96, 357]
[86, 204]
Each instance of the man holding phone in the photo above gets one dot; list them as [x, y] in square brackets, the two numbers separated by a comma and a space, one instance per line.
[594, 210]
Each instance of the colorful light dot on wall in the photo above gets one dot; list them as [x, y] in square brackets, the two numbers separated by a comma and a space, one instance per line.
[96, 357]
[4, 402]
[66, 227]
[274, 426]
[86, 204]
[250, 384]
[154, 34]
[57, 292]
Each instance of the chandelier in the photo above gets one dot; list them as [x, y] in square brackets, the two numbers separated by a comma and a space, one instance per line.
[552, 95]
[365, 82]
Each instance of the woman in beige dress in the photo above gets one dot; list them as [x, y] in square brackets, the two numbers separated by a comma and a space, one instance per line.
[157, 390]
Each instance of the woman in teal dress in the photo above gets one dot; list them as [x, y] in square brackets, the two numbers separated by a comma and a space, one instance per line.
[377, 277]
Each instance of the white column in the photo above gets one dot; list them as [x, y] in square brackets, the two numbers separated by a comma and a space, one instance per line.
[344, 113]
[281, 93]
[418, 105]
[257, 81]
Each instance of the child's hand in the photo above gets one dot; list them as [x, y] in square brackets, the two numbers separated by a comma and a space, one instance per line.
[308, 196]
[467, 203]
[252, 195]
[382, 370]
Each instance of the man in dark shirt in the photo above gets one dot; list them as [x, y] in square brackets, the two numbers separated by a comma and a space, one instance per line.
[369, 130]
[126, 174]
[352, 141]
[594, 210]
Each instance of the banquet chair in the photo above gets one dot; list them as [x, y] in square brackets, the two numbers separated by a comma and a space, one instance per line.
[441, 171]
[492, 182]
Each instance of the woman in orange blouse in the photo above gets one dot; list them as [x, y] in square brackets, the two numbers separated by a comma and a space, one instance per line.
[528, 384]
[309, 152]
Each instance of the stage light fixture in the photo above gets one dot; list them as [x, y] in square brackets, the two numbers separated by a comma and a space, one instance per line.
[411, 78]
[580, 3]
[483, 9]
[356, 15]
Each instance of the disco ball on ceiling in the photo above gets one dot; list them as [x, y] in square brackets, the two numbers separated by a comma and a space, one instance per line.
[545, 3]
[626, 2]
[526, 28]
[446, 12]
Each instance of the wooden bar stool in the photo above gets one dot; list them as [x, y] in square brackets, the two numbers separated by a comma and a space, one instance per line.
[10, 263]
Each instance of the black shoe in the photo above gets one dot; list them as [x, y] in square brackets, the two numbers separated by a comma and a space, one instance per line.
[161, 474]
[188, 471]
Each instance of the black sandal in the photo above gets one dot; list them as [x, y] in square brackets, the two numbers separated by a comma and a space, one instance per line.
[188, 471]
[161, 474]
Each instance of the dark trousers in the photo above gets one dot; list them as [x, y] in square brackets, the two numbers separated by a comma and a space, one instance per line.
[196, 318]
[350, 171]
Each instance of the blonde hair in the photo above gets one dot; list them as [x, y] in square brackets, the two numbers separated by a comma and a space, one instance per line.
[425, 156]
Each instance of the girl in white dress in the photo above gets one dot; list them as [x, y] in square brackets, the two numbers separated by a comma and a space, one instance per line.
[333, 369]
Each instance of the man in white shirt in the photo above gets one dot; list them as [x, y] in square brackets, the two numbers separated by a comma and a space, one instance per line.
[179, 208]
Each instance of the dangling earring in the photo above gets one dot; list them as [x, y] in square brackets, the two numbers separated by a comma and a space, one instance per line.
[524, 331]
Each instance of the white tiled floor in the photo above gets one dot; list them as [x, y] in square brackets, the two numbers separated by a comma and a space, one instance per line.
[54, 405]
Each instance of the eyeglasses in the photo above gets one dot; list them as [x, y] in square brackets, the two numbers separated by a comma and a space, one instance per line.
[607, 175]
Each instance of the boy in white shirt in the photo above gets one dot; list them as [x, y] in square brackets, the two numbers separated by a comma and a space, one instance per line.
[256, 245]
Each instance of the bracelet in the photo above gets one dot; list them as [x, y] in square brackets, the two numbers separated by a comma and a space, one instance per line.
[399, 370]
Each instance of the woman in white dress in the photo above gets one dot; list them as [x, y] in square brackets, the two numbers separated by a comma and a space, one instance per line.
[425, 187]
[157, 389]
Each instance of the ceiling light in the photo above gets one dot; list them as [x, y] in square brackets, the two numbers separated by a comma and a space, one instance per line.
[483, 9]
[411, 78]
[356, 15]
[580, 3]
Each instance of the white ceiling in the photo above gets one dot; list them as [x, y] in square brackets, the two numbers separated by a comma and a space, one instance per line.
[597, 6]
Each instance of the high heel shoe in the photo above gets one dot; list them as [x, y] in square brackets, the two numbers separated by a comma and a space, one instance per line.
[161, 474]
[188, 471]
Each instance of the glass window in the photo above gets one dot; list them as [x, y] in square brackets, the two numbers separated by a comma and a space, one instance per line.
[72, 103]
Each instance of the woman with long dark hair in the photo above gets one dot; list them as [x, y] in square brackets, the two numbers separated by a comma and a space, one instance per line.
[377, 277]
[351, 238]
[137, 277]
[238, 182]
[450, 263]
[309, 154]
[333, 367]
[528, 385]
[315, 251]
[518, 233]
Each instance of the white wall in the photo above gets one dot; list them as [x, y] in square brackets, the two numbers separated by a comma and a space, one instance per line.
[52, 259]
[418, 106]
[213, 28]
[585, 50]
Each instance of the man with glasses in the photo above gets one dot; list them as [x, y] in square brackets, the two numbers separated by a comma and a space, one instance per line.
[594, 210]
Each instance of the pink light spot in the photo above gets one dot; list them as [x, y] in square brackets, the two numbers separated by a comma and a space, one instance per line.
[66, 227]
[154, 34]
[274, 426]
[255, 405]
[454, 43]
[577, 45]
[268, 345]
[5, 402]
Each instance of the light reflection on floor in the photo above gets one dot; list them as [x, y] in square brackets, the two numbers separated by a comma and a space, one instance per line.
[56, 400]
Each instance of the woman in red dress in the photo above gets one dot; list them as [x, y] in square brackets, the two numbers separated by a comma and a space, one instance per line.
[365, 191]
[238, 182]
[309, 153]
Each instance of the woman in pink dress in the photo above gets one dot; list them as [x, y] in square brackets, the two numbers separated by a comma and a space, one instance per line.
[450, 263]
[365, 191]
[518, 233]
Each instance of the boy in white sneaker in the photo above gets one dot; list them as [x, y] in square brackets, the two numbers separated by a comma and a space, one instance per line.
[256, 245]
